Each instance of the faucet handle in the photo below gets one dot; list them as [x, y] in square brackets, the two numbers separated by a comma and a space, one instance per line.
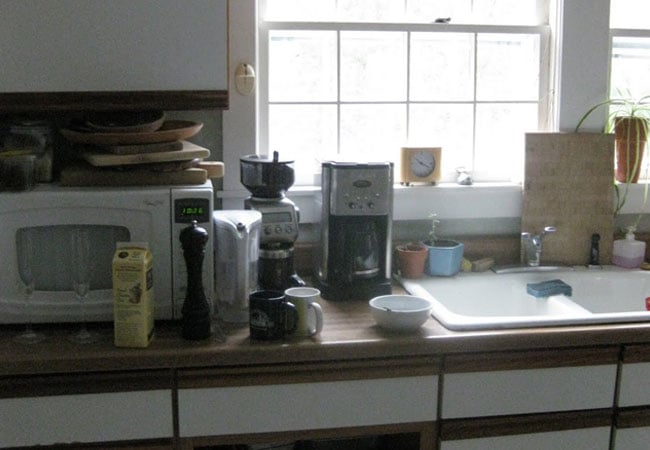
[549, 229]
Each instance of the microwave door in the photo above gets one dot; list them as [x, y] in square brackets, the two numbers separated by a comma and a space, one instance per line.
[49, 224]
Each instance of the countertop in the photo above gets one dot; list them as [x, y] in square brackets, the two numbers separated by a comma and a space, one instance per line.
[349, 334]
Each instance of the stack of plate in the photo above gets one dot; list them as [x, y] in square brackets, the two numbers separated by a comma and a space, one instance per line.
[120, 149]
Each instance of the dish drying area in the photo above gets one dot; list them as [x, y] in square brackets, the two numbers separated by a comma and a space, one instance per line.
[487, 300]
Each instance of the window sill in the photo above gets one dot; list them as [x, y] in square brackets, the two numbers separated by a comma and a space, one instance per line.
[447, 200]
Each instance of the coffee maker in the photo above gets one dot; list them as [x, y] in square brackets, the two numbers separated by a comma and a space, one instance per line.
[356, 230]
[268, 179]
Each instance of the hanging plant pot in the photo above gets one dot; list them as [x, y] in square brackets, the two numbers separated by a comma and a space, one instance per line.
[411, 259]
[444, 258]
[631, 137]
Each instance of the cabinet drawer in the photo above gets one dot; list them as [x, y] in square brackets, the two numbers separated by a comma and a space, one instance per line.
[475, 394]
[86, 418]
[583, 439]
[299, 406]
[635, 384]
[632, 438]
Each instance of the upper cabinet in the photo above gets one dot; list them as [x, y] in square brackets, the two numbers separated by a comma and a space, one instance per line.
[113, 54]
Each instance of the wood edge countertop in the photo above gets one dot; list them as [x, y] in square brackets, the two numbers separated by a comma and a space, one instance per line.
[349, 335]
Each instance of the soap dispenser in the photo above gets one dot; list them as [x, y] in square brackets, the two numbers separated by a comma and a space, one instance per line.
[628, 252]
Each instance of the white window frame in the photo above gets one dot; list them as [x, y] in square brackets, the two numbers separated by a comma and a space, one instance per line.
[583, 27]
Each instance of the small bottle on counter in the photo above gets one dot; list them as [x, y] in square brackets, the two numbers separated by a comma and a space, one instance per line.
[628, 252]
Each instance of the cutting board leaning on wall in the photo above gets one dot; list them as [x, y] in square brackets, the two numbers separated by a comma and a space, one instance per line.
[568, 184]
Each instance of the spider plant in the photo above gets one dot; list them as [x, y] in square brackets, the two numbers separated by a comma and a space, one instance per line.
[625, 109]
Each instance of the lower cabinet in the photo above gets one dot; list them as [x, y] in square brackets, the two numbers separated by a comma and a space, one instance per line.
[540, 399]
[583, 439]
[306, 406]
[632, 430]
[86, 409]
[388, 405]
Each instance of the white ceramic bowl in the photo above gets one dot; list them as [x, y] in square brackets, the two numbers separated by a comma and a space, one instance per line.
[400, 312]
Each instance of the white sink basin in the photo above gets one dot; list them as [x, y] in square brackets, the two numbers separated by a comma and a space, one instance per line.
[471, 301]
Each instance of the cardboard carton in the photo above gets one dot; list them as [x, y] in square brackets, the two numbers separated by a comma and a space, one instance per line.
[133, 301]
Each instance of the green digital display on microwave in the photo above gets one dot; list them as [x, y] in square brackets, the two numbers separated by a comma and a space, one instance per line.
[188, 209]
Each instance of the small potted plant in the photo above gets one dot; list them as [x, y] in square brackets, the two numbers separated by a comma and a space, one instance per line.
[444, 255]
[411, 258]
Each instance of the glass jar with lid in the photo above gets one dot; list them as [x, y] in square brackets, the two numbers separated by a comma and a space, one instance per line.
[33, 137]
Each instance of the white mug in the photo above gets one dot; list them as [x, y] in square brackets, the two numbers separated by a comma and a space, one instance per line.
[310, 314]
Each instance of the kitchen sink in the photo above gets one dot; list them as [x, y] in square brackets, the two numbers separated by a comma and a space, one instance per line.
[487, 300]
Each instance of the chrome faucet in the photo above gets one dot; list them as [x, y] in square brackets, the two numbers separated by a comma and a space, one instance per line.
[532, 246]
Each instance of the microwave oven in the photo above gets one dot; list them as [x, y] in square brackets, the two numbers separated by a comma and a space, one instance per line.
[47, 216]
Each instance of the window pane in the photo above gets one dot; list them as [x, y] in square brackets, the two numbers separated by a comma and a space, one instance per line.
[299, 10]
[373, 66]
[446, 126]
[504, 12]
[501, 12]
[459, 11]
[370, 10]
[500, 138]
[302, 66]
[442, 66]
[629, 14]
[630, 67]
[304, 133]
[372, 132]
[507, 67]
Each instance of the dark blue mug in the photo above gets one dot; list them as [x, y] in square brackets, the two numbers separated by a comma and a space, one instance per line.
[271, 315]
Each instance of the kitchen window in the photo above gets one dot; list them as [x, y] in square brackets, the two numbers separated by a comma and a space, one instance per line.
[630, 37]
[358, 79]
[575, 76]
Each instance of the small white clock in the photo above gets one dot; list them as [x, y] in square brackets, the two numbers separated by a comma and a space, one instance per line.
[420, 165]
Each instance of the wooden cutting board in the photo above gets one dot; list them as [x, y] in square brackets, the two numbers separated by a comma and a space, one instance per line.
[130, 149]
[188, 152]
[87, 175]
[568, 185]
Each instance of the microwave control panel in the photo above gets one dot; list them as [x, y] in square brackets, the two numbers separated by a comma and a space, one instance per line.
[188, 209]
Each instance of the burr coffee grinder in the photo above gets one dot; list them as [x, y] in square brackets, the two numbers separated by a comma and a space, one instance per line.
[268, 181]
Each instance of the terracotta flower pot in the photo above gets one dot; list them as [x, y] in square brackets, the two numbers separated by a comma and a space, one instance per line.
[411, 259]
[631, 136]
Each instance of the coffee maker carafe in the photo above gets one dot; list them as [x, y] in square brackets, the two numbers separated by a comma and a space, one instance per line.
[356, 230]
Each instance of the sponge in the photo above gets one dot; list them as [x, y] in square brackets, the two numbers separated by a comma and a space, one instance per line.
[548, 288]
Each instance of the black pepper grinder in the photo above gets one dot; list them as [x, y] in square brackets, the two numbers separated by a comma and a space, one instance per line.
[196, 311]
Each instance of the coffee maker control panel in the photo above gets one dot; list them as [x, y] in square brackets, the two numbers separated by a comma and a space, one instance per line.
[360, 189]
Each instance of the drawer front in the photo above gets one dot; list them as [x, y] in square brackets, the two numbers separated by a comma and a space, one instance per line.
[583, 439]
[632, 438]
[283, 407]
[86, 418]
[635, 384]
[476, 394]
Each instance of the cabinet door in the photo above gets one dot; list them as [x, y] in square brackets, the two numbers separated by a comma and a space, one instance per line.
[117, 45]
[86, 418]
[635, 384]
[529, 382]
[528, 391]
[583, 439]
[302, 406]
[632, 438]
